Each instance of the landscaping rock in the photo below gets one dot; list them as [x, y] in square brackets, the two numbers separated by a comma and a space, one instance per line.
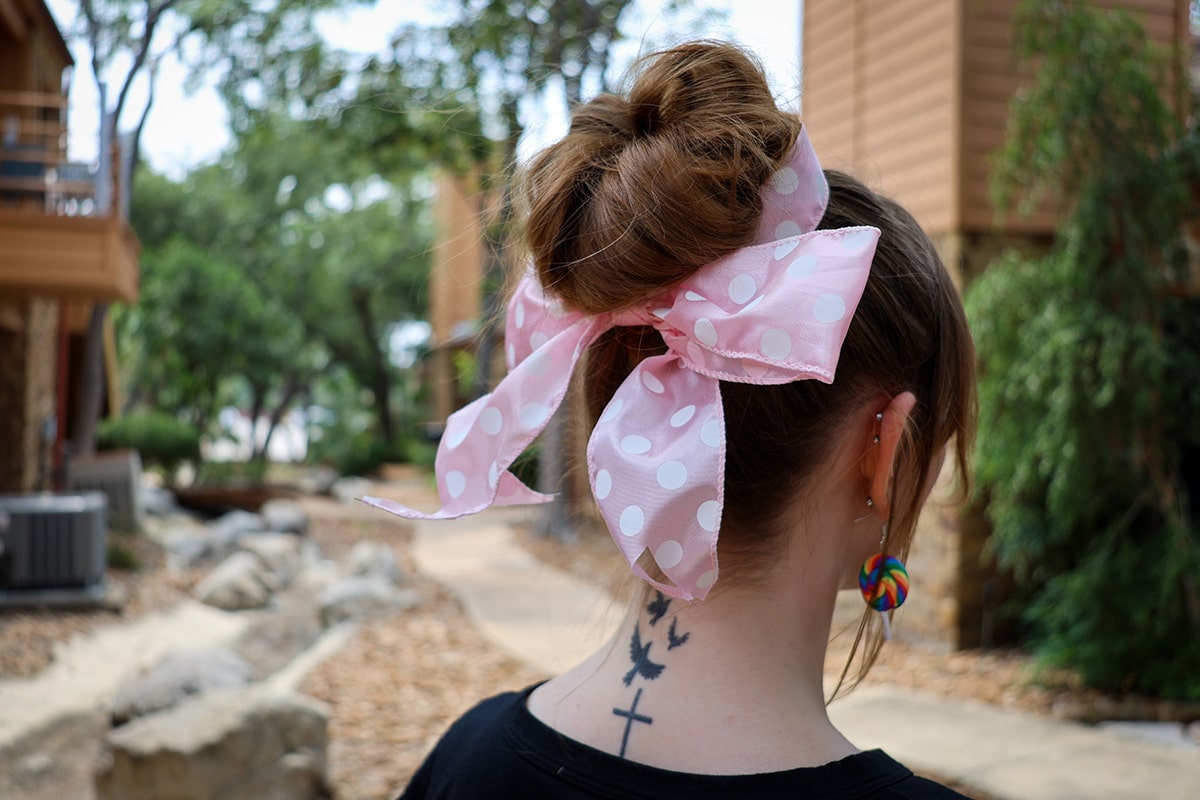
[348, 490]
[284, 516]
[236, 523]
[279, 553]
[177, 676]
[157, 501]
[237, 583]
[374, 558]
[317, 575]
[357, 597]
[187, 547]
[319, 480]
[241, 744]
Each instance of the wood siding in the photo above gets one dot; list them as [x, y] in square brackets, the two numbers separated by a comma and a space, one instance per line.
[880, 98]
[912, 96]
[991, 76]
[94, 258]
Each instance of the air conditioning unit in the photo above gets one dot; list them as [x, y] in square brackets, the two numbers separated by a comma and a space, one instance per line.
[118, 474]
[53, 548]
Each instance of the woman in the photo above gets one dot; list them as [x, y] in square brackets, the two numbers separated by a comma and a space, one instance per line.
[774, 361]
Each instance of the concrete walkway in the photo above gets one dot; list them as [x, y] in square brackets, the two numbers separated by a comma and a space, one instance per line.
[551, 621]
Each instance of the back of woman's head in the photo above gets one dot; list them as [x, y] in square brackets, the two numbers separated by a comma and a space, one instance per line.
[648, 188]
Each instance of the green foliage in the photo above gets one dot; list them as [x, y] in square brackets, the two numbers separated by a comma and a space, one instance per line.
[122, 556]
[1086, 405]
[160, 439]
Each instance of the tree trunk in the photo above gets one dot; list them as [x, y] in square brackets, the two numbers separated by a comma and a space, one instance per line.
[91, 390]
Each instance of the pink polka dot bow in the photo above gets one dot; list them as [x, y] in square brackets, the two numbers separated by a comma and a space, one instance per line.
[773, 312]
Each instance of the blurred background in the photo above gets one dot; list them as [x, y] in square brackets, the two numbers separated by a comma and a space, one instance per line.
[252, 254]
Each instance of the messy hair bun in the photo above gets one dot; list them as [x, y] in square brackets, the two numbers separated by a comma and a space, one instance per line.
[645, 189]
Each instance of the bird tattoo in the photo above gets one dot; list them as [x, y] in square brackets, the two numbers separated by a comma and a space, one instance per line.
[640, 654]
[658, 607]
[674, 641]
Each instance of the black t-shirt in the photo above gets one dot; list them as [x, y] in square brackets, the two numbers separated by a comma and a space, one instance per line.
[499, 750]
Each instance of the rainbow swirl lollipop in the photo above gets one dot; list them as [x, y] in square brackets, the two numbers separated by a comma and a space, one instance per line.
[884, 582]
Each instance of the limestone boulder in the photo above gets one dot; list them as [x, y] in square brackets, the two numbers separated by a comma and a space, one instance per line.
[281, 554]
[349, 489]
[240, 744]
[365, 596]
[239, 582]
[369, 558]
[177, 676]
[284, 516]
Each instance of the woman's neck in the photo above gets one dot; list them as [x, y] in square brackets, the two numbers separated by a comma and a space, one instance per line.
[729, 685]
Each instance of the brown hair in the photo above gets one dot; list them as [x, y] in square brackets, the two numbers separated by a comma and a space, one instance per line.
[644, 191]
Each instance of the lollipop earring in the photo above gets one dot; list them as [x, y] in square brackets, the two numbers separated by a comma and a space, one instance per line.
[883, 581]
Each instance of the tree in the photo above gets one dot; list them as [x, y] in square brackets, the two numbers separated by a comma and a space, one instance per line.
[127, 39]
[1084, 425]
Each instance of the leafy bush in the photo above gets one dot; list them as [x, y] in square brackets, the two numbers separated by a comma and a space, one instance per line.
[1087, 377]
[160, 439]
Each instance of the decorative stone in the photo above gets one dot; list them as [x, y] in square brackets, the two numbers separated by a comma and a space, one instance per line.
[237, 583]
[176, 676]
[374, 558]
[236, 523]
[350, 489]
[285, 516]
[279, 553]
[358, 597]
[240, 744]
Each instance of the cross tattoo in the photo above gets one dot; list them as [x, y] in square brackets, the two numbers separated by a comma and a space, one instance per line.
[631, 716]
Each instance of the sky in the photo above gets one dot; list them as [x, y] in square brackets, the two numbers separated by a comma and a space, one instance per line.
[185, 129]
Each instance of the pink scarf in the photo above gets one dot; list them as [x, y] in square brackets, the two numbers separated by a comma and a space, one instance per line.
[770, 313]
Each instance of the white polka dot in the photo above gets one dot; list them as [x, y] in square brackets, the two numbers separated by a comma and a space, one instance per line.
[787, 229]
[802, 267]
[829, 308]
[533, 415]
[710, 433]
[456, 483]
[785, 181]
[555, 308]
[612, 410]
[754, 369]
[705, 332]
[706, 515]
[746, 309]
[493, 475]
[669, 553]
[455, 437]
[632, 520]
[512, 354]
[672, 475]
[539, 363]
[858, 240]
[783, 248]
[695, 297]
[491, 420]
[742, 288]
[635, 445]
[652, 383]
[603, 484]
[707, 579]
[661, 313]
[682, 416]
[775, 344]
[519, 315]
[537, 340]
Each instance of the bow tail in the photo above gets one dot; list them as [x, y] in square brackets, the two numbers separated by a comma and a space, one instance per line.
[482, 439]
[656, 460]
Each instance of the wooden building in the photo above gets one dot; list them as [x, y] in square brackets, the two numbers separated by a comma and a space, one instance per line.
[912, 97]
[63, 247]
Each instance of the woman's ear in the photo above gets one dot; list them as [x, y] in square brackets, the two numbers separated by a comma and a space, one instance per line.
[881, 467]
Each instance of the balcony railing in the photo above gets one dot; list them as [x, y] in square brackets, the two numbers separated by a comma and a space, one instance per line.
[35, 174]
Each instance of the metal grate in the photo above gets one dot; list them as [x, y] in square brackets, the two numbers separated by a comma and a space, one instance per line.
[52, 541]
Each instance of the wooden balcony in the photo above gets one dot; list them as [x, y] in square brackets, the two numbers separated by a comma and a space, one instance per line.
[55, 240]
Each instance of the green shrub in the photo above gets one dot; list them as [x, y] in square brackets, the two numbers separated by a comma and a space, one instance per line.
[1087, 369]
[160, 439]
